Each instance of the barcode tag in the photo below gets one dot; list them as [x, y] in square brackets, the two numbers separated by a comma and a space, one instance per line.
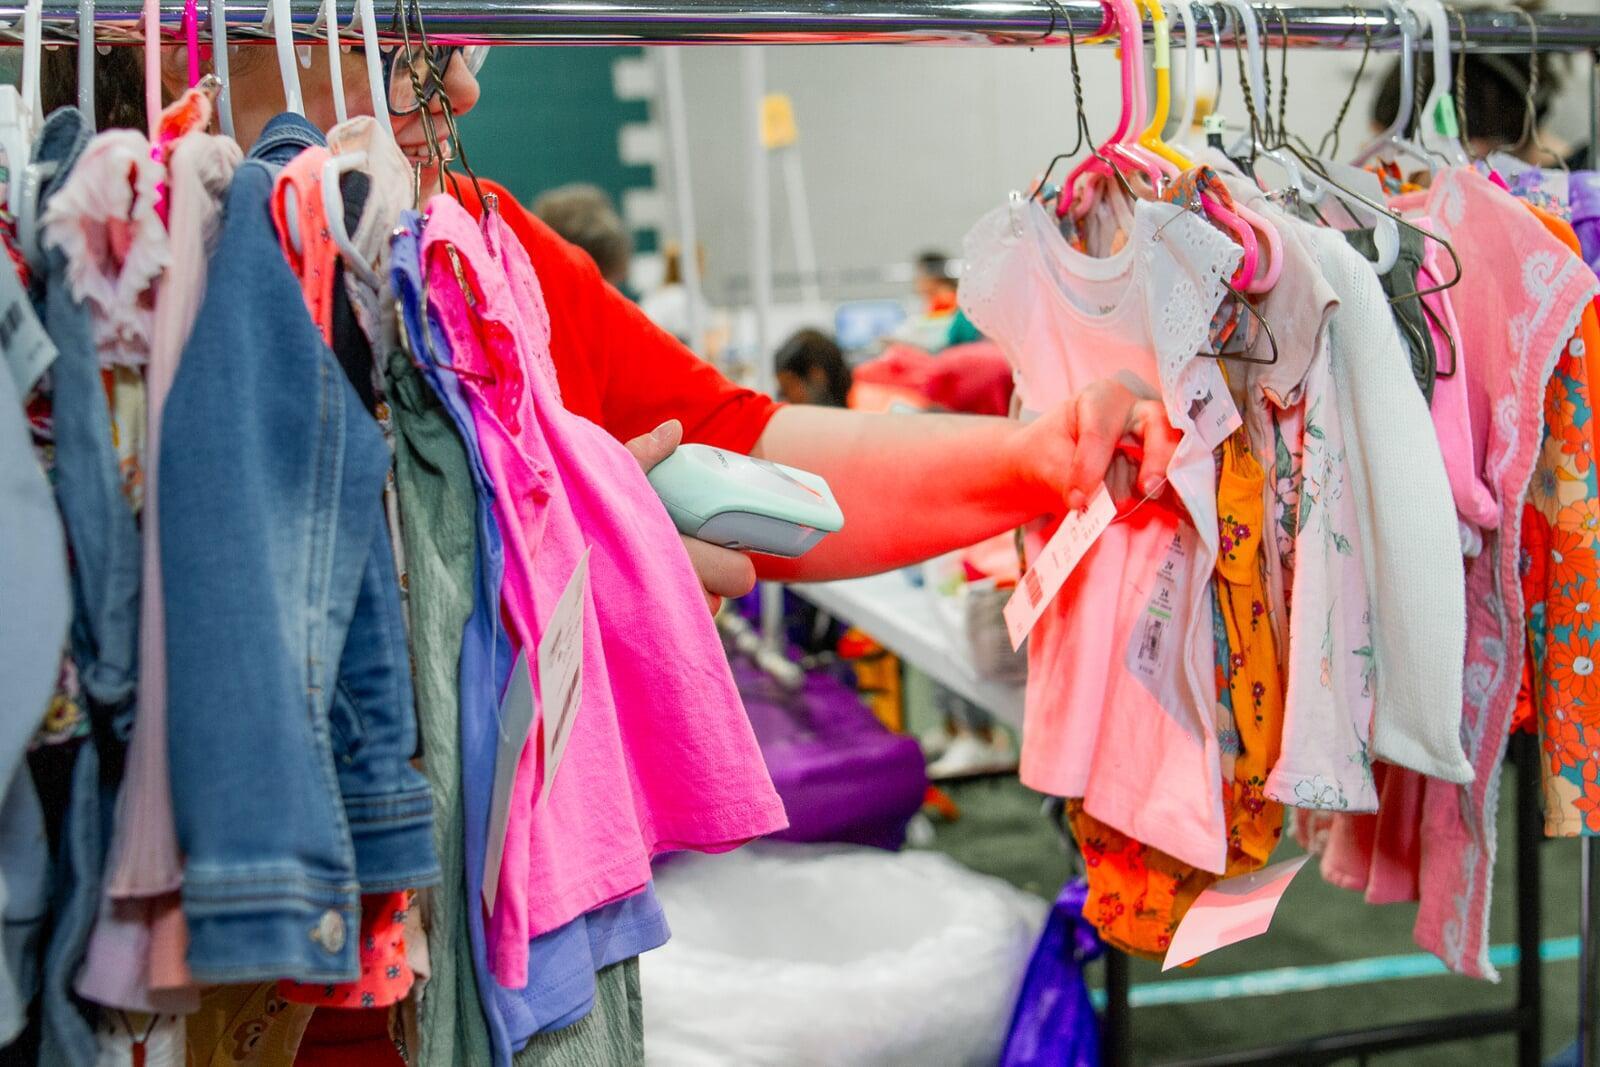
[561, 670]
[516, 719]
[1150, 648]
[1049, 572]
[1213, 412]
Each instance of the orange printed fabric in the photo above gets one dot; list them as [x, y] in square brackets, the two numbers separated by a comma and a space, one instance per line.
[386, 976]
[1255, 682]
[1561, 579]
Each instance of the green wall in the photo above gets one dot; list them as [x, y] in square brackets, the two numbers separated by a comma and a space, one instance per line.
[549, 116]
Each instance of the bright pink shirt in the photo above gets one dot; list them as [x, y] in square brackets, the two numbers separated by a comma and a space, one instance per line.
[661, 755]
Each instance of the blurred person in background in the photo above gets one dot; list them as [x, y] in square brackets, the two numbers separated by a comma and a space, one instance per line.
[938, 323]
[584, 215]
[812, 370]
[668, 306]
[1495, 102]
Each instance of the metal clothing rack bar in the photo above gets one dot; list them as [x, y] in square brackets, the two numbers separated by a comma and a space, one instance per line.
[779, 22]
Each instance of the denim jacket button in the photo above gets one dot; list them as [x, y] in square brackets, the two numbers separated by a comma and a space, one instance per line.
[329, 931]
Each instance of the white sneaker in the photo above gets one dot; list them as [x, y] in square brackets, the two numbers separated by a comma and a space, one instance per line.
[936, 742]
[970, 754]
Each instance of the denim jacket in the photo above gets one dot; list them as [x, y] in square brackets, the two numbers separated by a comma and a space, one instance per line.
[290, 704]
[104, 635]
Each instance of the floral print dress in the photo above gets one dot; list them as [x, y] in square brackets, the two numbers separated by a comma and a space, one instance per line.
[1561, 582]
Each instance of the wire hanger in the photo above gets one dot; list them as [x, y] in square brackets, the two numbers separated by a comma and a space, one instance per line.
[1324, 149]
[1130, 119]
[436, 79]
[1085, 138]
[1530, 120]
[1393, 139]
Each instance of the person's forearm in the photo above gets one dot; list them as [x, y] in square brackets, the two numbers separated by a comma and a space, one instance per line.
[911, 486]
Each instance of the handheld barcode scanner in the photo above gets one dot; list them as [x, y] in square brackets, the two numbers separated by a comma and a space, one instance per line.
[746, 504]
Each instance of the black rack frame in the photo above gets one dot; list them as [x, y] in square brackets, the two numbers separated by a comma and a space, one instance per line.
[1525, 1018]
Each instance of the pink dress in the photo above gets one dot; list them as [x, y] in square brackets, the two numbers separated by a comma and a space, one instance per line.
[1121, 702]
[1516, 319]
[660, 755]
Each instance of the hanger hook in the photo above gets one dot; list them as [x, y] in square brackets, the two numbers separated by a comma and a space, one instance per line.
[1530, 120]
[1461, 81]
[1355, 83]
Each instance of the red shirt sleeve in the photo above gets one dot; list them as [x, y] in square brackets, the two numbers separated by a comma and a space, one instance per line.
[615, 366]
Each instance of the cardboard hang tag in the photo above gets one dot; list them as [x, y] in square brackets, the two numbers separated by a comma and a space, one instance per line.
[1050, 570]
[559, 663]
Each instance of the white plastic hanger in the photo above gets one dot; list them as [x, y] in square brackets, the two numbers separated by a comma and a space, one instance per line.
[1393, 139]
[1438, 131]
[152, 67]
[1256, 70]
[281, 22]
[1191, 70]
[219, 60]
[19, 107]
[86, 61]
[377, 84]
[328, 22]
[333, 208]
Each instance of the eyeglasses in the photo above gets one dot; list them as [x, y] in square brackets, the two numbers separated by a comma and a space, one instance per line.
[429, 66]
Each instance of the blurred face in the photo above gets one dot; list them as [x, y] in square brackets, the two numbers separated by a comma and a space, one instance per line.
[933, 291]
[793, 388]
[257, 94]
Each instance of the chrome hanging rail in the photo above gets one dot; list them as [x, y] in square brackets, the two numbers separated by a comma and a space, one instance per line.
[774, 22]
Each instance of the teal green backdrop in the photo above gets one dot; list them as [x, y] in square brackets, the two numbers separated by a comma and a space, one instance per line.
[549, 116]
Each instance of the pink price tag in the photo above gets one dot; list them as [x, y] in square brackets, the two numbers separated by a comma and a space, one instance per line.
[1231, 911]
[1049, 572]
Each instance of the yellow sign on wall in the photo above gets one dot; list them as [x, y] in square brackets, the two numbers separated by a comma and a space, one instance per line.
[778, 129]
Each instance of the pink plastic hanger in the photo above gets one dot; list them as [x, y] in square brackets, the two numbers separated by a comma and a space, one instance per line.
[191, 39]
[1130, 31]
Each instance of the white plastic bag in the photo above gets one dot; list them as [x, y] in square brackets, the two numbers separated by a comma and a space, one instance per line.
[805, 954]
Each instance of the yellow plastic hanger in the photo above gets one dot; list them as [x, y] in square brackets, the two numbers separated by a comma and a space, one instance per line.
[1151, 137]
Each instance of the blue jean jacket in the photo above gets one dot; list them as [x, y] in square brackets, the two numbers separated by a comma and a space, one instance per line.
[104, 635]
[291, 723]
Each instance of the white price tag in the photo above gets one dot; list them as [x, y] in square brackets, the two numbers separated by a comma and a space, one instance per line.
[516, 719]
[1213, 412]
[560, 665]
[1049, 572]
[561, 670]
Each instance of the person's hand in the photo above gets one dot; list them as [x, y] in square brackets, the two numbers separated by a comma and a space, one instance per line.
[722, 572]
[1065, 454]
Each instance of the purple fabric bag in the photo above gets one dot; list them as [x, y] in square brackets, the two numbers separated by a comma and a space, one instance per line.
[842, 776]
[1054, 1024]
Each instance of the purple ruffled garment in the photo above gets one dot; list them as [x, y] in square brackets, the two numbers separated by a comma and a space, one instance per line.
[1583, 190]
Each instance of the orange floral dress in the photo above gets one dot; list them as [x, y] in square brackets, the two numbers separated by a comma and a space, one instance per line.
[1561, 582]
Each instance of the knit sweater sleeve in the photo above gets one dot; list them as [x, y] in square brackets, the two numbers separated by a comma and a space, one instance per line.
[1407, 520]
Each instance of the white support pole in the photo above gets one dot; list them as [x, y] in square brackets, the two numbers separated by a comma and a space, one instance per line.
[805, 245]
[677, 122]
[760, 202]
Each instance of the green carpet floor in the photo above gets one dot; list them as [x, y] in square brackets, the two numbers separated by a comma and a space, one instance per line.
[1003, 832]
